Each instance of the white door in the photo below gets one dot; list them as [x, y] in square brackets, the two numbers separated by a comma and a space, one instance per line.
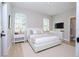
[0, 31]
[3, 29]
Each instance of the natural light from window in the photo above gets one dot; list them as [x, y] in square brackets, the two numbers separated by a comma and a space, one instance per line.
[20, 23]
[46, 24]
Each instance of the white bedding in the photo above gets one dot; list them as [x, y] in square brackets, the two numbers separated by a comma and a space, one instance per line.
[44, 42]
[43, 39]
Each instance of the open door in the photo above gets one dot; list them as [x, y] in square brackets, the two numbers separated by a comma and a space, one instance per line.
[3, 29]
[0, 29]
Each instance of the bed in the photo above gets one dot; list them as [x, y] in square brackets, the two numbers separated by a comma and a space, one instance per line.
[42, 41]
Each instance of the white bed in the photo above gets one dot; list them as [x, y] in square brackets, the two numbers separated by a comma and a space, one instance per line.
[43, 41]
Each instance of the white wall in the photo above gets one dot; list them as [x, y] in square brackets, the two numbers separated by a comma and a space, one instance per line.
[11, 30]
[65, 17]
[34, 19]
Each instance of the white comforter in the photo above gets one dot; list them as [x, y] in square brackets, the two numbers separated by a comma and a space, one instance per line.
[43, 38]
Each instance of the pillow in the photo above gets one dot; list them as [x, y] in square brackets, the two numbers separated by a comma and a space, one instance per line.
[34, 31]
[31, 32]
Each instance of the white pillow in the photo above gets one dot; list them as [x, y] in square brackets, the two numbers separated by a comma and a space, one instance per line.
[34, 31]
[31, 32]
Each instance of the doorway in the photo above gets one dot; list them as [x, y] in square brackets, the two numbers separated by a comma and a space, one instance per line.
[72, 30]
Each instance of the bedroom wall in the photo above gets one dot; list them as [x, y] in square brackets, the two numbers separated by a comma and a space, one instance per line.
[33, 19]
[64, 17]
[11, 30]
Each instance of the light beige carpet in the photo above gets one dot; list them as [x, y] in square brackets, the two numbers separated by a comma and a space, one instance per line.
[62, 50]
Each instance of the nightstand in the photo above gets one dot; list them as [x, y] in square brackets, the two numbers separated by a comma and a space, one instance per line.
[19, 38]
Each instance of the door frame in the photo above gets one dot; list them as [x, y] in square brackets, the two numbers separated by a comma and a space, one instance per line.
[70, 26]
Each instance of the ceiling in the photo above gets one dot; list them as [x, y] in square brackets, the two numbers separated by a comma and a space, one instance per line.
[48, 8]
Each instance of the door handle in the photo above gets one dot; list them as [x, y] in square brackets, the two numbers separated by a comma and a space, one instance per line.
[78, 40]
[2, 34]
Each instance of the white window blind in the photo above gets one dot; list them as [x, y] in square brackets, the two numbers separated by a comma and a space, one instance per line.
[20, 23]
[46, 24]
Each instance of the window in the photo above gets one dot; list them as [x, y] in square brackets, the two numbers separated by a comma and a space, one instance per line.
[46, 24]
[20, 23]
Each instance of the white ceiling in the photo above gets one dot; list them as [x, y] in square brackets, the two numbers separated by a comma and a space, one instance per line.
[48, 8]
